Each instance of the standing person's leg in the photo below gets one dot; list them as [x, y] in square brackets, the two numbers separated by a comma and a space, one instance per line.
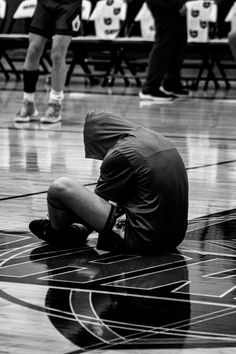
[60, 46]
[172, 83]
[30, 77]
[67, 24]
[161, 52]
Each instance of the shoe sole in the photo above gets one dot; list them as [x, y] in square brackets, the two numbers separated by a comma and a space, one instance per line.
[27, 119]
[143, 96]
[46, 120]
[173, 93]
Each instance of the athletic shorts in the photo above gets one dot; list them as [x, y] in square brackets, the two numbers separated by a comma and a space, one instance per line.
[56, 17]
[113, 236]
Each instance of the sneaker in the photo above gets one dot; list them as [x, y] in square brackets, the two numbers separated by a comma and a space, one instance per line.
[52, 114]
[176, 90]
[27, 112]
[75, 233]
[158, 96]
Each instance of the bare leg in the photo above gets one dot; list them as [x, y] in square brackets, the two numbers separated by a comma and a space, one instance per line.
[59, 68]
[34, 52]
[30, 77]
[69, 201]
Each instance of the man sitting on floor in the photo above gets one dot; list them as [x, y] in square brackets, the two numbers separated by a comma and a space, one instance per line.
[140, 203]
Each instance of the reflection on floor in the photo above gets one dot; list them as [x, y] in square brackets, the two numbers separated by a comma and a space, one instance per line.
[99, 300]
[75, 300]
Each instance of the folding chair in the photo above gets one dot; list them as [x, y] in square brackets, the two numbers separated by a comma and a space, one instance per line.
[109, 18]
[77, 46]
[95, 46]
[140, 31]
[24, 12]
[200, 14]
[147, 25]
[18, 38]
[3, 55]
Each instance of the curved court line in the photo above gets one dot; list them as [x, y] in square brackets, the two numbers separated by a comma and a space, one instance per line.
[150, 331]
[86, 325]
[17, 254]
[100, 320]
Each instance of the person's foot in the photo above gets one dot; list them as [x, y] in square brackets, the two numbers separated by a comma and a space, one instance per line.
[52, 114]
[27, 112]
[158, 96]
[75, 233]
[176, 90]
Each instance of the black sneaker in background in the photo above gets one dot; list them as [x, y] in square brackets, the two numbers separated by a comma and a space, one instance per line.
[158, 96]
[176, 90]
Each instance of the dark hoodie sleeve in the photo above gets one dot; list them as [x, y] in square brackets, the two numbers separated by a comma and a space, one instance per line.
[115, 177]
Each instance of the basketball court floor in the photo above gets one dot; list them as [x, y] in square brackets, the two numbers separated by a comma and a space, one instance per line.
[79, 300]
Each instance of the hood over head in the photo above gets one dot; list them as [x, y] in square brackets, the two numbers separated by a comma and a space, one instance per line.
[101, 132]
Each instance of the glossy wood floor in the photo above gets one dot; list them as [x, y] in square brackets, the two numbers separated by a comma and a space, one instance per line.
[59, 300]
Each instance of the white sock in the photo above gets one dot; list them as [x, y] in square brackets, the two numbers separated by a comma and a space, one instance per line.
[55, 96]
[28, 96]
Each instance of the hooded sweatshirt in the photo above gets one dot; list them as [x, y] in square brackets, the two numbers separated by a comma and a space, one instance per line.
[144, 174]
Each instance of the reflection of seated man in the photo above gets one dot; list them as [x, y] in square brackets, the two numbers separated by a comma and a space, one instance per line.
[142, 172]
[91, 318]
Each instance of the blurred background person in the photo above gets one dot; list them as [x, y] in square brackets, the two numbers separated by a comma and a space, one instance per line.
[58, 20]
[163, 81]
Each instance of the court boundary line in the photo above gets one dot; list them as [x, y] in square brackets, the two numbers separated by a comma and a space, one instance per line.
[94, 183]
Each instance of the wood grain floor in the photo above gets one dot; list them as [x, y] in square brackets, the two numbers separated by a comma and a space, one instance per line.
[202, 127]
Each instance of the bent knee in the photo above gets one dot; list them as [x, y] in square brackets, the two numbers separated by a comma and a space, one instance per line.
[34, 50]
[60, 188]
[58, 55]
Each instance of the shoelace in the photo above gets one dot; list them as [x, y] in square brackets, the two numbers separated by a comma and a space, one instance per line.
[27, 108]
[52, 110]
